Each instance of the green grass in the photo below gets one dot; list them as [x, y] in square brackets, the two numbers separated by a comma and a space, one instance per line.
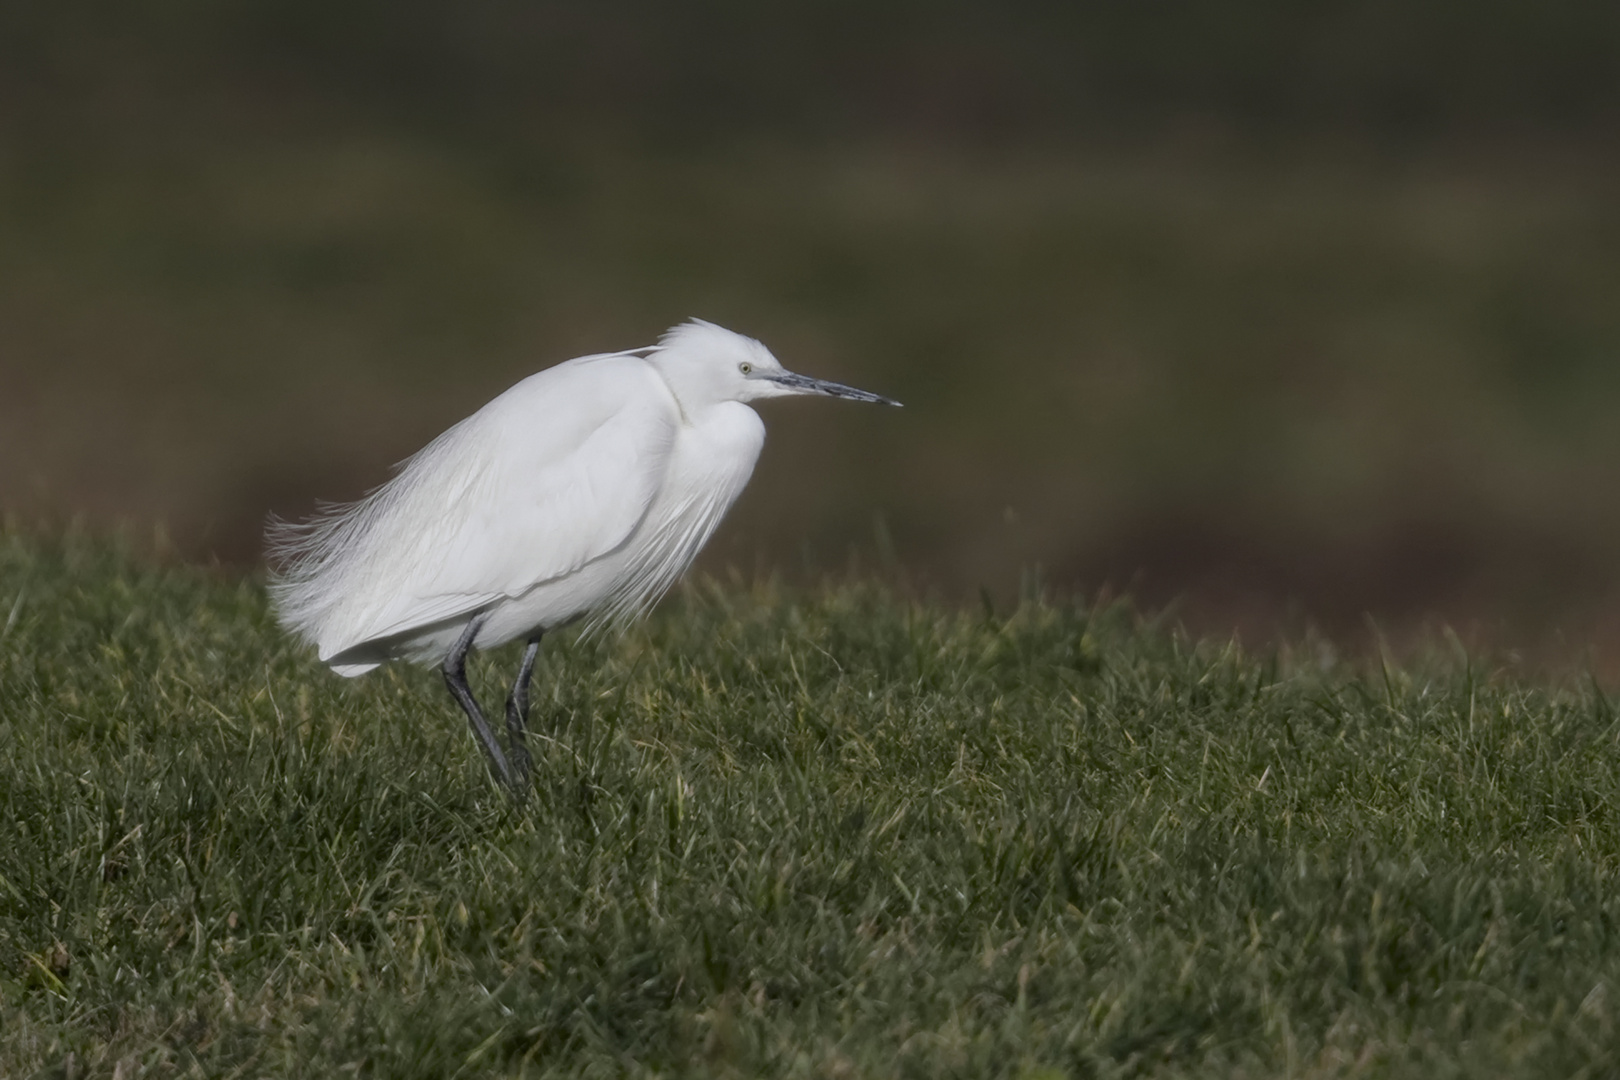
[837, 834]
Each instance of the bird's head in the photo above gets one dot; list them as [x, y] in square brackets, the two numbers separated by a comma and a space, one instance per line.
[708, 364]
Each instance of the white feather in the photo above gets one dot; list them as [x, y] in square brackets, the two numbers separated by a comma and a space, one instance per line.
[586, 489]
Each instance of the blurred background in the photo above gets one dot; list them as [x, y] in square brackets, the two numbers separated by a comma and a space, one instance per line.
[1299, 313]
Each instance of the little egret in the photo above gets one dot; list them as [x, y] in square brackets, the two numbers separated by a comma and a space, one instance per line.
[584, 491]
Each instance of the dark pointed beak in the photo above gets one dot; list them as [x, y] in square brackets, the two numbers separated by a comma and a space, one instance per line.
[804, 384]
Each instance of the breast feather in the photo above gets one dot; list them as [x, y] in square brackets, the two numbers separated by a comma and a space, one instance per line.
[709, 468]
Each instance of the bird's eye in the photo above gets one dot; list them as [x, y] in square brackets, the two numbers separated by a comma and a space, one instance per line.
[746, 368]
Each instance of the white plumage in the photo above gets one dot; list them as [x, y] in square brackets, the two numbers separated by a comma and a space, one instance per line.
[585, 490]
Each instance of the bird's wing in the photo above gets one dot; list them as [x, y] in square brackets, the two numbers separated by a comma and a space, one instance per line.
[553, 474]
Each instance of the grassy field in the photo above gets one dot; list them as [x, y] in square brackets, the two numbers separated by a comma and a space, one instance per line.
[839, 833]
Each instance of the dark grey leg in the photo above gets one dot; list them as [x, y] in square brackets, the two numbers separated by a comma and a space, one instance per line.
[517, 710]
[455, 677]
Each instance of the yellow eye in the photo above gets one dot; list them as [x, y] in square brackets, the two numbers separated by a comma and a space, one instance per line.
[746, 368]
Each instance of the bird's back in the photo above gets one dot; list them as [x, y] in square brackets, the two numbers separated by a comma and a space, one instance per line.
[558, 471]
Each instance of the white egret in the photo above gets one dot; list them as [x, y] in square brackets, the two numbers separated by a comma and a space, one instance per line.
[584, 491]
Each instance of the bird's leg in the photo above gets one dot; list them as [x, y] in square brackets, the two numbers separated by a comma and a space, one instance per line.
[455, 677]
[517, 711]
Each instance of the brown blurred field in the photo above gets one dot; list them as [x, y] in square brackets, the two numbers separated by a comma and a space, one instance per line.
[1299, 321]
